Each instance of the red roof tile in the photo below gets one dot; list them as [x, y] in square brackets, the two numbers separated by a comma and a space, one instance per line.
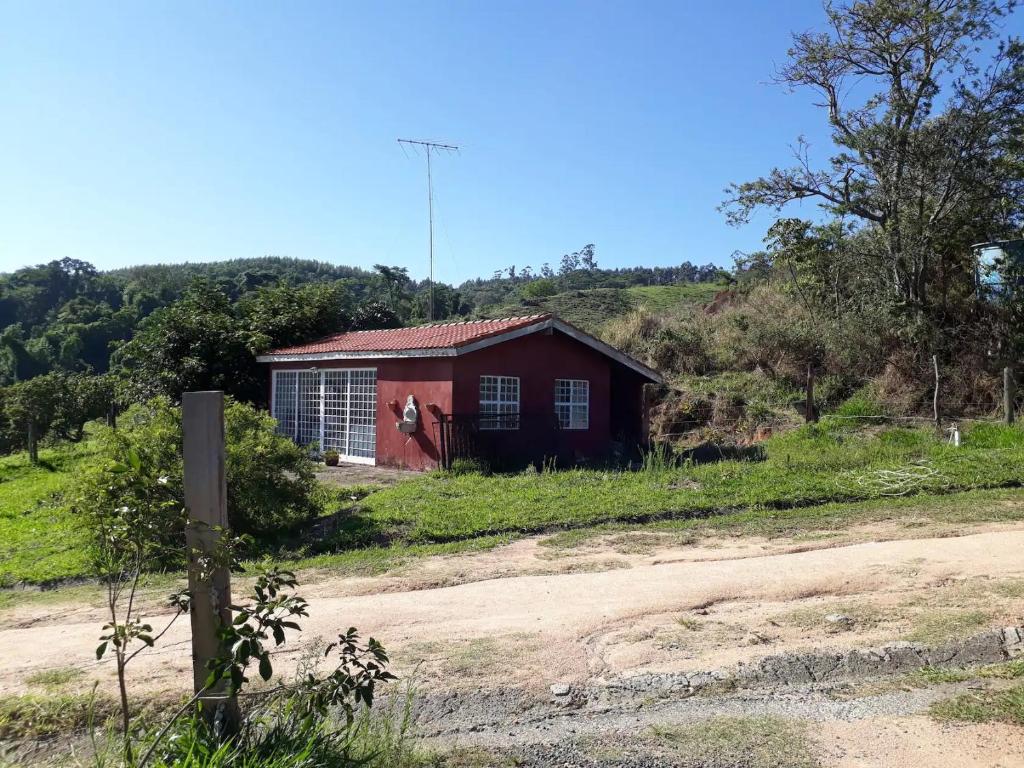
[437, 336]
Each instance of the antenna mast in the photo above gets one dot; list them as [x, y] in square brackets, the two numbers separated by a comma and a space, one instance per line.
[428, 147]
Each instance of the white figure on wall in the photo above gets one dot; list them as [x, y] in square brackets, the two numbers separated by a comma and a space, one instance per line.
[410, 416]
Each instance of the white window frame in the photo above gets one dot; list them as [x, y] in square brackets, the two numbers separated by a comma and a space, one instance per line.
[492, 408]
[353, 439]
[572, 396]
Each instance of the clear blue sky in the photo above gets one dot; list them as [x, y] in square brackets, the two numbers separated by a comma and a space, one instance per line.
[173, 131]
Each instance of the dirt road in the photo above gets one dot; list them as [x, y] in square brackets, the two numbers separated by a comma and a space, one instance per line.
[524, 617]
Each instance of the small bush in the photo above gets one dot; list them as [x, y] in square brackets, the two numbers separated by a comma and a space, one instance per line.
[862, 407]
[467, 466]
[270, 479]
[285, 735]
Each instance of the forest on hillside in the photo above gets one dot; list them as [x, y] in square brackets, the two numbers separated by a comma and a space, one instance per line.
[77, 343]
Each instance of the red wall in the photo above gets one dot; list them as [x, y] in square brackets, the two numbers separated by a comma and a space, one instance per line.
[538, 359]
[428, 380]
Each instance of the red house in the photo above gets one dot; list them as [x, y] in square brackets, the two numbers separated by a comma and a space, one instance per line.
[508, 392]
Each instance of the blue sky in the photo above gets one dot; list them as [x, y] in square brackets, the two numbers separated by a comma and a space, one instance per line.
[175, 131]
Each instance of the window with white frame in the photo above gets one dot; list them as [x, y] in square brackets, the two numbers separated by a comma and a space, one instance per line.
[499, 402]
[572, 403]
[335, 409]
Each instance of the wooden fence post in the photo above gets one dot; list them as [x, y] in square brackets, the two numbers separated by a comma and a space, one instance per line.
[810, 413]
[209, 579]
[33, 442]
[1009, 394]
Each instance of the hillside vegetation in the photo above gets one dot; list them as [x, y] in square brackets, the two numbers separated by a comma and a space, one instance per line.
[592, 310]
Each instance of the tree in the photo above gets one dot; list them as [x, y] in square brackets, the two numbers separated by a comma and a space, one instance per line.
[195, 343]
[29, 408]
[373, 315]
[570, 263]
[587, 258]
[396, 281]
[283, 315]
[20, 363]
[927, 140]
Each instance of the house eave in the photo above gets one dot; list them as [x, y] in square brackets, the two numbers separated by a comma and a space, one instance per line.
[313, 357]
[498, 338]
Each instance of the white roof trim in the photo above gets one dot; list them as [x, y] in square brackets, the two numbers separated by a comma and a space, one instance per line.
[498, 338]
[382, 355]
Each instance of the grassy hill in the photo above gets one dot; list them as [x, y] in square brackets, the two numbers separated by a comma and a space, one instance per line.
[674, 299]
[590, 309]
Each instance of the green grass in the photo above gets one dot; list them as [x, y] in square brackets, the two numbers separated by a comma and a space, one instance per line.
[40, 716]
[811, 466]
[935, 627]
[592, 308]
[1008, 670]
[40, 540]
[669, 299]
[586, 309]
[983, 707]
[739, 742]
[54, 678]
[814, 479]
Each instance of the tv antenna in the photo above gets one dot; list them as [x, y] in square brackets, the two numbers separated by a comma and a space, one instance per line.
[428, 147]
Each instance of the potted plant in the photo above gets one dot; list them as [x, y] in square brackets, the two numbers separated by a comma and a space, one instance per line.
[331, 458]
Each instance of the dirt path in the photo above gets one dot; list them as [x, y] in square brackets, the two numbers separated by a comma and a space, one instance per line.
[513, 620]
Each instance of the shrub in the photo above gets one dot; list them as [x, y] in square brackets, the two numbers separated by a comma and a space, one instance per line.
[862, 407]
[539, 289]
[467, 466]
[270, 479]
[663, 345]
[331, 458]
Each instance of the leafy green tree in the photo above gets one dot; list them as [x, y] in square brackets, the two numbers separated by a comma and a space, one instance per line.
[29, 410]
[19, 361]
[56, 403]
[374, 315]
[282, 314]
[196, 343]
[539, 289]
[396, 281]
[926, 143]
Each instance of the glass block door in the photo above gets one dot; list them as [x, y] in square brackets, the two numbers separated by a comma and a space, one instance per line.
[332, 409]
